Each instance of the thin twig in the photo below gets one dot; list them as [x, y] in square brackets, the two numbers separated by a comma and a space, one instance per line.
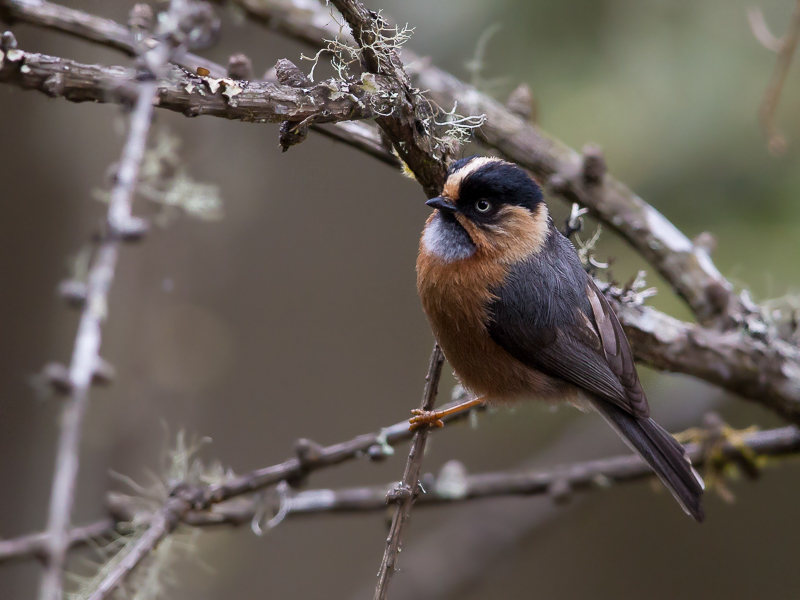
[36, 545]
[86, 351]
[769, 105]
[85, 355]
[184, 498]
[405, 493]
[162, 524]
[594, 475]
[94, 29]
[314, 457]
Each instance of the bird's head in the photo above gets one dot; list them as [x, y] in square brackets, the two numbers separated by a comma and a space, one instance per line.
[487, 205]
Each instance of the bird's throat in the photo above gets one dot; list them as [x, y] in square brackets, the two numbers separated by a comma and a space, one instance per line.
[445, 238]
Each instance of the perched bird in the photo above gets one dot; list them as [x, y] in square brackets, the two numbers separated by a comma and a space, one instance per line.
[518, 317]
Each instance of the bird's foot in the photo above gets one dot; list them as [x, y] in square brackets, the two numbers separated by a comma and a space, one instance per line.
[425, 418]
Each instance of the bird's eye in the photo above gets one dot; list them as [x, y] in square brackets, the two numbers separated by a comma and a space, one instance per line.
[483, 206]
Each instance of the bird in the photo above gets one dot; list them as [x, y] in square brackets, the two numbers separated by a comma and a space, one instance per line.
[518, 317]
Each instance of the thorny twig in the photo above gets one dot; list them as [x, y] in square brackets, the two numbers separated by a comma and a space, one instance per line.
[406, 491]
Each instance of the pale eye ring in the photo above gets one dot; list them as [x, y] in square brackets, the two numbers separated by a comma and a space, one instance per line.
[483, 205]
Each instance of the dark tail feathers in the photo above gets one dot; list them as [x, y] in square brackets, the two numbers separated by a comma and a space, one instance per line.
[665, 455]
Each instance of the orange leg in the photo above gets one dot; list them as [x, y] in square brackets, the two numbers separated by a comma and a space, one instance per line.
[433, 418]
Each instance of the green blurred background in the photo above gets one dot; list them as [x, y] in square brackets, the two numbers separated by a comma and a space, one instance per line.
[296, 314]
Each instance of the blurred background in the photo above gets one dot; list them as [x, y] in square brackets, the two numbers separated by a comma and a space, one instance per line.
[296, 315]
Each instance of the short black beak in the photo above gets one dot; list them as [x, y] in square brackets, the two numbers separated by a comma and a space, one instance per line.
[442, 204]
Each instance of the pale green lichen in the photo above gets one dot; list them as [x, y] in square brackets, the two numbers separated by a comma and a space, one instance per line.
[452, 481]
[166, 183]
[152, 577]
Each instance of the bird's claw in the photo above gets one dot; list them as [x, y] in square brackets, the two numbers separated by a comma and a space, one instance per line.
[424, 418]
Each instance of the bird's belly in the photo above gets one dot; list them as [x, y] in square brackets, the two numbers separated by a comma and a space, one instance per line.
[455, 296]
[481, 365]
[485, 369]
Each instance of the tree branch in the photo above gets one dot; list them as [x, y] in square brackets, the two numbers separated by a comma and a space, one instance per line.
[593, 475]
[37, 545]
[310, 457]
[194, 95]
[410, 125]
[104, 32]
[733, 367]
[163, 523]
[86, 361]
[758, 366]
[185, 497]
[687, 267]
[361, 135]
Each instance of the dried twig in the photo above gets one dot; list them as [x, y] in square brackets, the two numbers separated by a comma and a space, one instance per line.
[185, 498]
[573, 478]
[406, 491]
[310, 457]
[36, 545]
[162, 524]
[93, 28]
[121, 225]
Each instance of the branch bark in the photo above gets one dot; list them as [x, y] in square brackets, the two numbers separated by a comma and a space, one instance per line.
[762, 368]
[85, 355]
[194, 95]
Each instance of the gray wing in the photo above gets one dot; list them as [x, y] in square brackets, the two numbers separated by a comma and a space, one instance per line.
[564, 327]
